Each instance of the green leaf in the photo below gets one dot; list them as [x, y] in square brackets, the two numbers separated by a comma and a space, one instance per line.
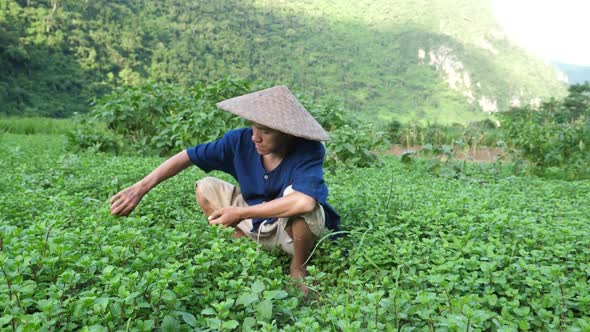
[97, 328]
[247, 298]
[350, 147]
[168, 296]
[264, 310]
[208, 311]
[248, 324]
[492, 299]
[257, 287]
[170, 324]
[28, 287]
[188, 318]
[277, 295]
[522, 311]
[407, 157]
[148, 325]
[100, 304]
[5, 320]
[524, 325]
[214, 323]
[107, 270]
[230, 324]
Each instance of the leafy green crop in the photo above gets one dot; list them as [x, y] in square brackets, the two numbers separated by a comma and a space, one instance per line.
[422, 252]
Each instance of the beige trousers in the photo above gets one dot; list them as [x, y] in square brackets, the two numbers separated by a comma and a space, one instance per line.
[221, 194]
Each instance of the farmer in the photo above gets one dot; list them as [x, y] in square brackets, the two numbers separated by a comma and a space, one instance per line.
[281, 198]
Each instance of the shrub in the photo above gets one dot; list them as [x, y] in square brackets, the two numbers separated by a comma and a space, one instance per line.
[554, 136]
[354, 146]
[353, 143]
[158, 118]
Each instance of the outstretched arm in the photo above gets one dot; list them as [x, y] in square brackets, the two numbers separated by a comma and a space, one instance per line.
[127, 199]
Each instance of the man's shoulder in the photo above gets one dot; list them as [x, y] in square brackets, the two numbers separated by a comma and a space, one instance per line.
[307, 146]
[307, 150]
[238, 136]
[239, 132]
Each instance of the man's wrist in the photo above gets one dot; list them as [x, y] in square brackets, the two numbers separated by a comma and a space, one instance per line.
[243, 213]
[144, 186]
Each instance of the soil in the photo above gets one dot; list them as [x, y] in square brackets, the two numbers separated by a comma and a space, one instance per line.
[481, 155]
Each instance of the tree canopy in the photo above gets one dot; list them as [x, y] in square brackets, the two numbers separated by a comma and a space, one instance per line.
[57, 56]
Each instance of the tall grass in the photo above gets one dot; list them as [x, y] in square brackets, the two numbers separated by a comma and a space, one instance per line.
[36, 125]
[476, 134]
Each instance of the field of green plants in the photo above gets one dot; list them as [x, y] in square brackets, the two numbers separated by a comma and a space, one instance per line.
[480, 251]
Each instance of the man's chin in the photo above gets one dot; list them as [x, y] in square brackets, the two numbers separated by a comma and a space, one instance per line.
[261, 151]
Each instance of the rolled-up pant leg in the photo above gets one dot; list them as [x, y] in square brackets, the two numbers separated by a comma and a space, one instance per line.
[221, 194]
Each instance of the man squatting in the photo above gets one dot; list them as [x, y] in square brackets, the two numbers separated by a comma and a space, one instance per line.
[278, 164]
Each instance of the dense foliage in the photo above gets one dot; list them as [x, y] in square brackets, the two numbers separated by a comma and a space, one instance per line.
[555, 136]
[482, 253]
[478, 133]
[55, 56]
[158, 118]
[162, 119]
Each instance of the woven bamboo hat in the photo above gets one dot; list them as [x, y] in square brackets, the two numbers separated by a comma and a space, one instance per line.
[276, 108]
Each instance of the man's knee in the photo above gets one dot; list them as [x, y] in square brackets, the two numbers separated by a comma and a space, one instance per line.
[203, 188]
[299, 230]
[204, 185]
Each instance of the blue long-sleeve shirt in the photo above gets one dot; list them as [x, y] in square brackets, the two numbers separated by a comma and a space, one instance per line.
[236, 154]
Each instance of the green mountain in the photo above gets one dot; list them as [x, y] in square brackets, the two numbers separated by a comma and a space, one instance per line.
[435, 60]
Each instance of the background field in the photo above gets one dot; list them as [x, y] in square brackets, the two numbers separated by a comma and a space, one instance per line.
[485, 251]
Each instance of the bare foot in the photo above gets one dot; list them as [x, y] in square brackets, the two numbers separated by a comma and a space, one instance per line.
[304, 289]
[298, 274]
[296, 285]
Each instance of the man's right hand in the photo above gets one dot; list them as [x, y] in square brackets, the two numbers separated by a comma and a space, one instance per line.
[126, 200]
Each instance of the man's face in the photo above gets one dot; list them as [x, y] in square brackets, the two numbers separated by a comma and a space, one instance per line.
[269, 141]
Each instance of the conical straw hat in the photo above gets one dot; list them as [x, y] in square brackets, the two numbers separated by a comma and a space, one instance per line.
[276, 108]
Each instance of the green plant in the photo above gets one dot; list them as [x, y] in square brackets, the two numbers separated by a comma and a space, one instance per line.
[58, 55]
[552, 138]
[354, 146]
[159, 118]
[353, 143]
[36, 125]
[423, 252]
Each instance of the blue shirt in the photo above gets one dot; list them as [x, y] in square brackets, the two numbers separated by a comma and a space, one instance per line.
[236, 154]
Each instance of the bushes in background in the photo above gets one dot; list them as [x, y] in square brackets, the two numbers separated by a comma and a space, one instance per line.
[159, 118]
[553, 137]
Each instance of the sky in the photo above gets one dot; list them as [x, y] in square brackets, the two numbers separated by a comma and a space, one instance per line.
[554, 30]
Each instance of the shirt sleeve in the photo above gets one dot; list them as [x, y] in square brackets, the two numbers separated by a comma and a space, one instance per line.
[216, 155]
[308, 175]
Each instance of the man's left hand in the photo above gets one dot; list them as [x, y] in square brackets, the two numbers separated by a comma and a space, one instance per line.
[227, 216]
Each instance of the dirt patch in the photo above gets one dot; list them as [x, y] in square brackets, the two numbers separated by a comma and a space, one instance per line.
[480, 155]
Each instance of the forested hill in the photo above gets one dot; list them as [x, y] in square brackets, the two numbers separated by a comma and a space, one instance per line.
[441, 60]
